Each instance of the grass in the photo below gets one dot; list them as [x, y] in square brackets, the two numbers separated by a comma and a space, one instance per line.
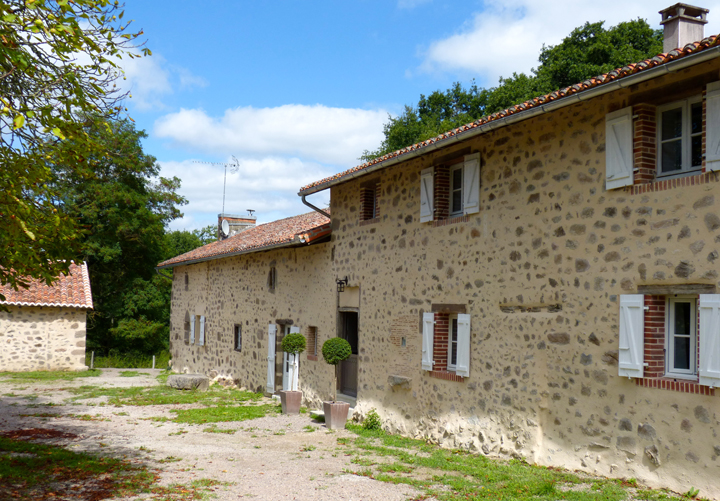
[162, 395]
[224, 413]
[133, 374]
[453, 475]
[43, 376]
[129, 361]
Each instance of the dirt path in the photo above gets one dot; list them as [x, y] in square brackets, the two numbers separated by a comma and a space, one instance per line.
[275, 457]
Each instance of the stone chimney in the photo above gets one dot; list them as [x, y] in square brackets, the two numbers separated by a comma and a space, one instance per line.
[682, 24]
[235, 225]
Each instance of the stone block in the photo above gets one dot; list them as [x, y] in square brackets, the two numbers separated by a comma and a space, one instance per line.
[199, 382]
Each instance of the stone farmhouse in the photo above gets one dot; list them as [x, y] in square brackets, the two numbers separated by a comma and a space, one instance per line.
[541, 283]
[44, 326]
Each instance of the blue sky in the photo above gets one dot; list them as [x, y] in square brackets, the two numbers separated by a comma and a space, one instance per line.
[297, 90]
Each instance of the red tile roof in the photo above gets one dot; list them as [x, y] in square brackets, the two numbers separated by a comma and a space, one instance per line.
[295, 230]
[660, 59]
[70, 291]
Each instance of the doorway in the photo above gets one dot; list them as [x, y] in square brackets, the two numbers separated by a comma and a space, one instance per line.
[348, 369]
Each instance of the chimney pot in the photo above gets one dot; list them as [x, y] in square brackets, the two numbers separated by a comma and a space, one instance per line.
[682, 24]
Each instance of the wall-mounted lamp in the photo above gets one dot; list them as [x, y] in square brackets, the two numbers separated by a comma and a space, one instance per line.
[341, 283]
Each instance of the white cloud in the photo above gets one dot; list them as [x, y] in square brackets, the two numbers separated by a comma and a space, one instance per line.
[314, 133]
[268, 185]
[506, 39]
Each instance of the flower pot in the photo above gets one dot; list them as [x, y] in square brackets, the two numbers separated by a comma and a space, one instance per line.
[290, 401]
[336, 414]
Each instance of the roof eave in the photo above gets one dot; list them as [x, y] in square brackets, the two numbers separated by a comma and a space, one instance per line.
[635, 78]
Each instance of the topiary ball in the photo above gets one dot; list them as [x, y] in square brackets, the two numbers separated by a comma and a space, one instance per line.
[293, 343]
[335, 350]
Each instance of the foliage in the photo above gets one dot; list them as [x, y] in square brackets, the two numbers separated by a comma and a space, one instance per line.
[587, 51]
[47, 93]
[120, 360]
[372, 420]
[335, 350]
[206, 235]
[122, 206]
[180, 242]
[293, 343]
[39, 376]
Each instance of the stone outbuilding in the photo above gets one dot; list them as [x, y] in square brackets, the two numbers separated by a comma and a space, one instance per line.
[541, 283]
[44, 325]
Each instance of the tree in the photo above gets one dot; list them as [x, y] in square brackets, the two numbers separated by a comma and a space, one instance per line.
[58, 65]
[206, 235]
[588, 51]
[121, 208]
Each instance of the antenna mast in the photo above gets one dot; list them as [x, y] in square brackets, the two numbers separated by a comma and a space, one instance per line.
[234, 167]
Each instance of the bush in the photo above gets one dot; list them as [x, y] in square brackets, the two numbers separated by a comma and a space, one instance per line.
[372, 420]
[293, 343]
[335, 350]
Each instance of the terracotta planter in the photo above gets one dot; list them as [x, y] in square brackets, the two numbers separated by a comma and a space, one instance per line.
[335, 414]
[290, 401]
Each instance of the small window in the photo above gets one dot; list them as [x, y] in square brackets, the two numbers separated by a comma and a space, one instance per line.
[368, 203]
[187, 282]
[311, 345]
[272, 279]
[186, 328]
[681, 336]
[452, 343]
[680, 134]
[456, 190]
[238, 338]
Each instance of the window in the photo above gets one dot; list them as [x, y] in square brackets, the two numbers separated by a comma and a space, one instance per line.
[186, 328]
[670, 337]
[238, 338]
[187, 281]
[311, 345]
[680, 131]
[681, 336]
[446, 343]
[450, 190]
[369, 202]
[272, 279]
[200, 329]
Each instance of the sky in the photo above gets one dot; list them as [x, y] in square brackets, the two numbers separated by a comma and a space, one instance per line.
[292, 92]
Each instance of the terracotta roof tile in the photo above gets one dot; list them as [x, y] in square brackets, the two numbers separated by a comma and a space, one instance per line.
[292, 230]
[590, 83]
[71, 291]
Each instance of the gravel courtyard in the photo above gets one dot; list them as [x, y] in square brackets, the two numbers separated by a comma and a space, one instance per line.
[274, 457]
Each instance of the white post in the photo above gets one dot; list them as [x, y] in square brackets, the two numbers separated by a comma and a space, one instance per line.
[153, 361]
[92, 360]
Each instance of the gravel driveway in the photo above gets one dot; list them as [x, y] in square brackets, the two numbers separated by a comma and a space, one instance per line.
[275, 457]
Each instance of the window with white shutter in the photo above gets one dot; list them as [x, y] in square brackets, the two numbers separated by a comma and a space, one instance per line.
[471, 184]
[192, 329]
[426, 195]
[632, 332]
[712, 130]
[201, 338]
[462, 365]
[428, 331]
[710, 340]
[619, 149]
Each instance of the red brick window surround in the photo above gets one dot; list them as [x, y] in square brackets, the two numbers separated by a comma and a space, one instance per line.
[645, 153]
[441, 339]
[369, 204]
[311, 344]
[655, 339]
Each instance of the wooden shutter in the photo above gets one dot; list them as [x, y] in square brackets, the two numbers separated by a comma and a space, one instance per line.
[632, 334]
[426, 195]
[428, 332]
[270, 387]
[192, 329]
[471, 184]
[710, 339]
[619, 148]
[462, 366]
[712, 132]
[201, 340]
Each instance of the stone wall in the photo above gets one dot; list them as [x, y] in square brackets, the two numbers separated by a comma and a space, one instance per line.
[540, 270]
[234, 291]
[34, 338]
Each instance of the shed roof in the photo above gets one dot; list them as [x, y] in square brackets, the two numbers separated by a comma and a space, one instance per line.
[69, 291]
[520, 111]
[296, 230]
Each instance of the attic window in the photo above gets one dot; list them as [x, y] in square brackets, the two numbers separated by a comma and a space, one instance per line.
[187, 282]
[272, 279]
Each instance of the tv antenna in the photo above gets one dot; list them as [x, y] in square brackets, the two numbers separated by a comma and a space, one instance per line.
[234, 167]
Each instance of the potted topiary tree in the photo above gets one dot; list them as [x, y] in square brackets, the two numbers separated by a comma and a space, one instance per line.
[334, 351]
[293, 344]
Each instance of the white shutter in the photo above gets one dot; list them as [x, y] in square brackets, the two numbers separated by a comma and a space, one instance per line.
[632, 334]
[462, 365]
[471, 184]
[427, 341]
[201, 340]
[192, 329]
[426, 195]
[619, 148]
[270, 387]
[710, 340]
[712, 132]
